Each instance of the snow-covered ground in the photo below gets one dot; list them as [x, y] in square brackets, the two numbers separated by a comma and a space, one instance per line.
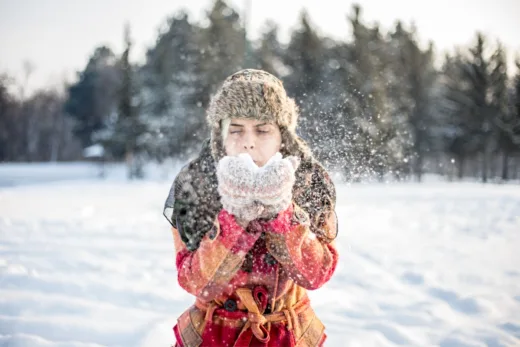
[85, 262]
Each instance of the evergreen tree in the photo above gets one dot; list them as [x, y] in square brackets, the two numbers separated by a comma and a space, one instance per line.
[128, 127]
[269, 54]
[459, 124]
[222, 49]
[377, 143]
[468, 93]
[412, 92]
[305, 57]
[477, 73]
[515, 122]
[93, 98]
[510, 127]
[500, 106]
[170, 105]
[9, 108]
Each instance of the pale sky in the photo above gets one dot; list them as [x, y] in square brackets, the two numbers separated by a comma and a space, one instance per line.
[57, 36]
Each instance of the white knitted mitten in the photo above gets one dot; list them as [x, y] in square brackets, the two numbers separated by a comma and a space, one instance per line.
[236, 179]
[274, 182]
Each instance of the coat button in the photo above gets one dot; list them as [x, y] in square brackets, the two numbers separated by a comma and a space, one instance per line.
[212, 234]
[269, 259]
[247, 265]
[267, 309]
[230, 305]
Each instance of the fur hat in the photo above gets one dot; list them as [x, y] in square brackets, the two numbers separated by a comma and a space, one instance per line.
[258, 95]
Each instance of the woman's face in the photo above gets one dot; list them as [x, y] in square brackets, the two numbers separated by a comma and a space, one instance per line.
[258, 138]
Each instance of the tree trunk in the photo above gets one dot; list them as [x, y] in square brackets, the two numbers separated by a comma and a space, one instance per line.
[129, 158]
[485, 167]
[505, 165]
[493, 164]
[418, 168]
[445, 168]
[460, 167]
[58, 125]
[515, 168]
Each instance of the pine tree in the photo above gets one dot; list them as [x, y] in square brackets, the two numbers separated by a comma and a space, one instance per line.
[459, 124]
[170, 106]
[377, 143]
[477, 72]
[307, 59]
[412, 93]
[93, 98]
[304, 56]
[128, 127]
[515, 127]
[511, 125]
[222, 49]
[9, 108]
[468, 86]
[499, 103]
[269, 54]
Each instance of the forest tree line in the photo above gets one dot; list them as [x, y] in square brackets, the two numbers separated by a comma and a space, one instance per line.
[371, 106]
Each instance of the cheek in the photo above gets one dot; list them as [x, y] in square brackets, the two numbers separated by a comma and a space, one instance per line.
[270, 146]
[230, 146]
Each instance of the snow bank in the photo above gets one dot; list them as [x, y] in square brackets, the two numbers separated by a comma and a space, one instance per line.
[88, 263]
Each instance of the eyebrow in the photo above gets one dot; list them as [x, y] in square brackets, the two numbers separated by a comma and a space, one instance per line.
[241, 125]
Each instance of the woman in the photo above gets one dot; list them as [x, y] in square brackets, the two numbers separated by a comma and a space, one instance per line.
[253, 223]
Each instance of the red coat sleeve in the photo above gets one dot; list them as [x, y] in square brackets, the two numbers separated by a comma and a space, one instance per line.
[207, 271]
[308, 259]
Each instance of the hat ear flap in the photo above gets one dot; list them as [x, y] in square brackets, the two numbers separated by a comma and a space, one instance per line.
[292, 114]
[293, 145]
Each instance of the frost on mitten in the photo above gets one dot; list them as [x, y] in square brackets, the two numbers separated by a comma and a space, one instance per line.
[274, 182]
[236, 178]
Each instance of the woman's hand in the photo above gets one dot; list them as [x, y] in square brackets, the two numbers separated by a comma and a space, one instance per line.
[249, 192]
[236, 180]
[273, 184]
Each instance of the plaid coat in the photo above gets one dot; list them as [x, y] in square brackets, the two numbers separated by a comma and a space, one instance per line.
[250, 284]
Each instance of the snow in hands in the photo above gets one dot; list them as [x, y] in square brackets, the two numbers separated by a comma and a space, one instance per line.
[249, 191]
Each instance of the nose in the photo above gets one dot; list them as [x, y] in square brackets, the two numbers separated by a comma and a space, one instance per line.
[249, 142]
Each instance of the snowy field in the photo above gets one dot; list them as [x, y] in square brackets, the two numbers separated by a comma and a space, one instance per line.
[89, 263]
